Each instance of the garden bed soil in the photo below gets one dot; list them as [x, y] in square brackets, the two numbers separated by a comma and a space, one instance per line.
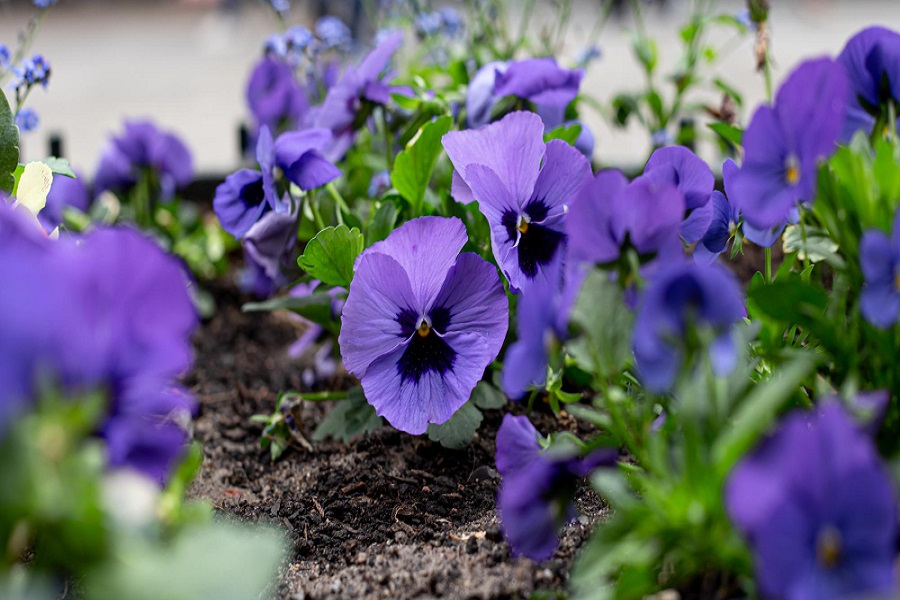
[387, 515]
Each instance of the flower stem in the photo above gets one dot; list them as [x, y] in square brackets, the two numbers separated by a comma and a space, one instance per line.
[323, 396]
[388, 140]
[768, 265]
[338, 200]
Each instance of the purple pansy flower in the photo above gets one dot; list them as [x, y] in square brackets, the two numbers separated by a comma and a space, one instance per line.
[537, 80]
[817, 508]
[144, 146]
[785, 142]
[274, 95]
[538, 486]
[523, 187]
[110, 311]
[721, 228]
[684, 295]
[367, 82]
[870, 58]
[421, 322]
[246, 195]
[678, 166]
[542, 316]
[610, 212]
[879, 259]
[765, 236]
[269, 242]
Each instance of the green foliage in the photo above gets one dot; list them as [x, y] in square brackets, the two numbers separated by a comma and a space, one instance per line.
[315, 307]
[567, 133]
[487, 397]
[330, 256]
[604, 323]
[727, 132]
[349, 418]
[414, 165]
[459, 431]
[9, 145]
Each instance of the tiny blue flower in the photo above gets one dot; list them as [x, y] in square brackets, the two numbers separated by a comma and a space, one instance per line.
[660, 138]
[44, 3]
[428, 24]
[298, 38]
[282, 7]
[588, 55]
[4, 56]
[27, 120]
[333, 33]
[452, 21]
[276, 45]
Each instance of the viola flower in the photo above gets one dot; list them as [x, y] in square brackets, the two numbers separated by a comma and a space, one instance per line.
[785, 142]
[610, 212]
[762, 237]
[817, 508]
[144, 146]
[274, 96]
[538, 487]
[269, 242]
[344, 102]
[523, 187]
[246, 195]
[721, 229]
[678, 166]
[682, 297]
[420, 323]
[110, 311]
[333, 33]
[538, 80]
[871, 60]
[879, 259]
[27, 120]
[542, 316]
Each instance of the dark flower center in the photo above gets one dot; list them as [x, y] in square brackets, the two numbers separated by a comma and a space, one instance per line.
[828, 547]
[252, 194]
[537, 244]
[426, 351]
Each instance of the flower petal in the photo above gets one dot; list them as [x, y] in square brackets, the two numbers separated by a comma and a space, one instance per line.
[564, 171]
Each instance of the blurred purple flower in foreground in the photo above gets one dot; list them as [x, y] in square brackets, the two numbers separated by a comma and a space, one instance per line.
[871, 60]
[678, 166]
[109, 311]
[421, 322]
[721, 228]
[64, 192]
[785, 142]
[879, 258]
[538, 487]
[523, 187]
[682, 299]
[817, 508]
[143, 146]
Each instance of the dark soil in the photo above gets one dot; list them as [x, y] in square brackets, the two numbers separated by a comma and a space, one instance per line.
[388, 515]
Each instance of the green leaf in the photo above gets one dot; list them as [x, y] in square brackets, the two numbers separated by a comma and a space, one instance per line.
[567, 133]
[315, 307]
[329, 257]
[792, 301]
[414, 165]
[350, 417]
[487, 397]
[9, 145]
[817, 245]
[600, 313]
[460, 430]
[382, 223]
[758, 410]
[60, 166]
[727, 132]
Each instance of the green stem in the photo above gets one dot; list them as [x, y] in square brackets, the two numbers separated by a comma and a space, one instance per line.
[314, 209]
[388, 140]
[323, 396]
[27, 40]
[338, 199]
[768, 265]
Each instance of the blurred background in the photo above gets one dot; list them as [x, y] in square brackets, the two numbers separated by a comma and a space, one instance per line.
[185, 63]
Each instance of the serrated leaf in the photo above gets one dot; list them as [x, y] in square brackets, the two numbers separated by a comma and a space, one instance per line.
[728, 132]
[487, 397]
[350, 417]
[9, 145]
[315, 307]
[414, 165]
[567, 133]
[604, 320]
[330, 256]
[459, 431]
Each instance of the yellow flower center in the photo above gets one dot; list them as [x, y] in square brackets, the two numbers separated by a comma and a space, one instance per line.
[522, 225]
[424, 327]
[828, 547]
[792, 170]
